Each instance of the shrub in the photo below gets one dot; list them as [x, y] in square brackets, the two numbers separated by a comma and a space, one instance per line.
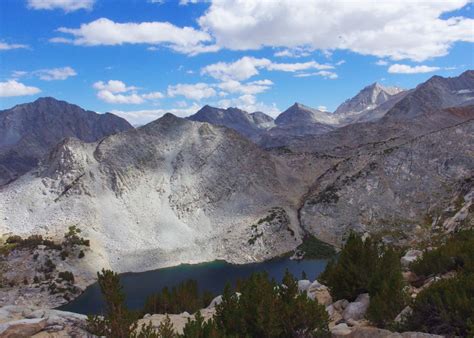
[81, 254]
[72, 238]
[266, 310]
[386, 288]
[315, 248]
[184, 297]
[457, 253]
[67, 276]
[64, 254]
[364, 267]
[350, 275]
[14, 239]
[445, 308]
[117, 321]
[198, 328]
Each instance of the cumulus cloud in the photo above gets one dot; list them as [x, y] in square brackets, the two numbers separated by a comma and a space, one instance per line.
[406, 69]
[116, 91]
[249, 103]
[107, 32]
[9, 46]
[406, 29]
[14, 88]
[197, 91]
[110, 97]
[55, 73]
[254, 87]
[114, 86]
[246, 67]
[66, 5]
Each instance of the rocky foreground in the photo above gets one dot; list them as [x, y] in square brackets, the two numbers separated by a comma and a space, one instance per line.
[346, 318]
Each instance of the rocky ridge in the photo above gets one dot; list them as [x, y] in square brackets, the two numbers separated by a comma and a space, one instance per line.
[29, 131]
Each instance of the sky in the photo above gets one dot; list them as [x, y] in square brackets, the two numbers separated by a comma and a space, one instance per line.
[142, 58]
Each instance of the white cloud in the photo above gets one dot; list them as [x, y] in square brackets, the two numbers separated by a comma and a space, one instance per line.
[323, 73]
[14, 88]
[9, 46]
[55, 73]
[153, 96]
[406, 69]
[116, 91]
[114, 86]
[381, 63]
[246, 67]
[323, 108]
[195, 91]
[294, 67]
[16, 74]
[254, 87]
[110, 97]
[242, 69]
[340, 62]
[296, 52]
[406, 29]
[66, 5]
[249, 103]
[141, 117]
[107, 32]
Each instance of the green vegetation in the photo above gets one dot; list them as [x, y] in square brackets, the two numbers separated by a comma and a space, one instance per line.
[184, 297]
[118, 321]
[72, 238]
[315, 248]
[66, 276]
[445, 308]
[457, 253]
[264, 309]
[31, 242]
[365, 267]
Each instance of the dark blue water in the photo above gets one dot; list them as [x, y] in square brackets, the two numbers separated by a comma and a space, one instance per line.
[211, 276]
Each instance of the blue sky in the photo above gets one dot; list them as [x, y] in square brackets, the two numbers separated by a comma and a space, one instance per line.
[141, 58]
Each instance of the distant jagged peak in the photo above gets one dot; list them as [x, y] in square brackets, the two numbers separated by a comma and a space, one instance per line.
[299, 113]
[369, 98]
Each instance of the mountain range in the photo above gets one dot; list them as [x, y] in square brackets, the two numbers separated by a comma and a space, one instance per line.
[29, 131]
[227, 184]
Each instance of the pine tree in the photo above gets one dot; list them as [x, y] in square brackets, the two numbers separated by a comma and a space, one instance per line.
[117, 321]
[386, 290]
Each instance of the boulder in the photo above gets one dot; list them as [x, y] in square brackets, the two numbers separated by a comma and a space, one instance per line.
[303, 285]
[357, 309]
[341, 330]
[319, 292]
[411, 256]
[22, 327]
[334, 316]
[340, 305]
[406, 312]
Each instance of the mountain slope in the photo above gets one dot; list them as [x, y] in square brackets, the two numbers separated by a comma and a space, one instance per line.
[298, 120]
[28, 131]
[436, 93]
[248, 125]
[366, 105]
[422, 110]
[170, 192]
[391, 192]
